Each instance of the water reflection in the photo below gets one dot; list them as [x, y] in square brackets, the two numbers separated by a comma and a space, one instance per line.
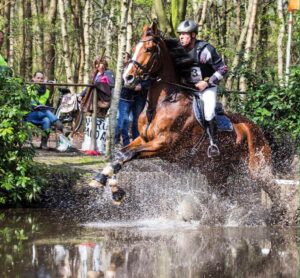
[56, 247]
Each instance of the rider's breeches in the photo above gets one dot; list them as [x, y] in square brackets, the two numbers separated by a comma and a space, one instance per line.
[209, 97]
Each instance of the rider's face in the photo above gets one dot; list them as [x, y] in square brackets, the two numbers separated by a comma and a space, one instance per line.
[187, 40]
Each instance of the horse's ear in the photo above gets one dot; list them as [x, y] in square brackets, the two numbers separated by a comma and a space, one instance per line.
[145, 29]
[154, 27]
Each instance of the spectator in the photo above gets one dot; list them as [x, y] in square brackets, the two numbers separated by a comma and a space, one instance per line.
[132, 101]
[41, 114]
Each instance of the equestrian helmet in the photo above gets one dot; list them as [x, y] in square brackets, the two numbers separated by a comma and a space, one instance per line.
[188, 26]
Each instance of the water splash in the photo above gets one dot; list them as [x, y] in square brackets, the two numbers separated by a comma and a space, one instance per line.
[160, 190]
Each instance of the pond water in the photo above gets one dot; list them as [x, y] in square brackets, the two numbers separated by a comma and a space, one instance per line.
[43, 243]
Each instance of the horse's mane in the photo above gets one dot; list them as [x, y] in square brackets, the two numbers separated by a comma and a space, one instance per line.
[181, 59]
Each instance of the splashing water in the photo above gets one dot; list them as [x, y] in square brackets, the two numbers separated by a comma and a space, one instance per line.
[163, 191]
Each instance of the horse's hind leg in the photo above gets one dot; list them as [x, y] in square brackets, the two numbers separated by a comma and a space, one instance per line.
[260, 167]
[264, 178]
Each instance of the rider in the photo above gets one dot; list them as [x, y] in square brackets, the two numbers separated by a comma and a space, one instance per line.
[207, 70]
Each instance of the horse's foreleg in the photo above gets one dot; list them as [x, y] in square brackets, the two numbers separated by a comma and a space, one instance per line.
[136, 148]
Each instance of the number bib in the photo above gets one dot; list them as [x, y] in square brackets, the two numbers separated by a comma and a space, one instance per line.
[196, 75]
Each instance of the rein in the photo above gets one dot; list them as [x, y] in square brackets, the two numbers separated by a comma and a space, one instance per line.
[158, 79]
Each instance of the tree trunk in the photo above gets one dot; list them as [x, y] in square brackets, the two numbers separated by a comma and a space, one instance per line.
[239, 47]
[178, 11]
[248, 45]
[238, 16]
[280, 42]
[203, 14]
[164, 24]
[36, 38]
[118, 85]
[86, 36]
[7, 9]
[49, 39]
[109, 33]
[129, 29]
[65, 42]
[196, 9]
[11, 56]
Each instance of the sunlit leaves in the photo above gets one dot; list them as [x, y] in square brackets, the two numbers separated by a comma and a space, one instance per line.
[17, 179]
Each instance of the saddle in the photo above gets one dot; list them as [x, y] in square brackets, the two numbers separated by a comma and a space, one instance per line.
[68, 103]
[223, 122]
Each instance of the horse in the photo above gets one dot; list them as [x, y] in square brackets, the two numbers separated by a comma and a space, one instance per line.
[169, 129]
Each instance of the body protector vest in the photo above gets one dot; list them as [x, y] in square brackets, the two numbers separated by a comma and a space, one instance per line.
[200, 69]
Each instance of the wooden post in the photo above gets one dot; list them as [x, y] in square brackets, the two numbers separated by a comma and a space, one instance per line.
[94, 122]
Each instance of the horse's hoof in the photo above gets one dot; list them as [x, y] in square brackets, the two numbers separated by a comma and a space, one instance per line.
[95, 184]
[117, 167]
[101, 178]
[118, 195]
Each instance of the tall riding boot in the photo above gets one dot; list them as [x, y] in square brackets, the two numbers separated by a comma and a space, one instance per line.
[44, 142]
[59, 126]
[213, 129]
[213, 149]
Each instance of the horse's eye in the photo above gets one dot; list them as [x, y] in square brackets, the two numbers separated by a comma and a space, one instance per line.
[149, 49]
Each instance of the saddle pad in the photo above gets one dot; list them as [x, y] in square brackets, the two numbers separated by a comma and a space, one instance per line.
[223, 122]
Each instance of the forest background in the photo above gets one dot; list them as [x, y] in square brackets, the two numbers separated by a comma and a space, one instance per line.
[62, 37]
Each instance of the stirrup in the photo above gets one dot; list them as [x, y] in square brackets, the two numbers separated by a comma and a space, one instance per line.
[213, 151]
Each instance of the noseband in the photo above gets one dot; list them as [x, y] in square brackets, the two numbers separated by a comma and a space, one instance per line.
[153, 63]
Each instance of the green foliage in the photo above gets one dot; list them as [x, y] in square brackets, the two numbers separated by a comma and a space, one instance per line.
[18, 181]
[276, 107]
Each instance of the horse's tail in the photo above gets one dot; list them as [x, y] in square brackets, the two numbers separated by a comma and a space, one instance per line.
[283, 147]
[258, 145]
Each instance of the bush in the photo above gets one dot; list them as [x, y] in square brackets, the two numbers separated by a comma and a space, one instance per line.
[276, 107]
[18, 180]
[273, 107]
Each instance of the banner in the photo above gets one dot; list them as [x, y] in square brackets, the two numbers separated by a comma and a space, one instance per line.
[100, 134]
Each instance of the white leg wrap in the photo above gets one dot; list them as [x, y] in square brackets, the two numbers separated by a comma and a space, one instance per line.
[108, 171]
[112, 182]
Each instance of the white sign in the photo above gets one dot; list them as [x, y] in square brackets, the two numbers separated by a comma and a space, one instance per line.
[100, 134]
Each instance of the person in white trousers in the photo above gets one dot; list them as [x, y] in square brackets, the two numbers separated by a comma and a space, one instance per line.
[207, 70]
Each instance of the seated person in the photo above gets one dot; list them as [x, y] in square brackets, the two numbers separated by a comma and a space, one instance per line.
[42, 117]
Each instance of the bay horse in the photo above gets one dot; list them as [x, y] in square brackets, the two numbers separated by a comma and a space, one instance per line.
[169, 130]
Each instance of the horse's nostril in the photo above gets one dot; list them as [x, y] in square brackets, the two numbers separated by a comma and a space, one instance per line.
[130, 78]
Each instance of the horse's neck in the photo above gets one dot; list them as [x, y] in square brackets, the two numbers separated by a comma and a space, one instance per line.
[167, 74]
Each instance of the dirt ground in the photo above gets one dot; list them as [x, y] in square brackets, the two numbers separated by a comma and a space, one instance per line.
[73, 158]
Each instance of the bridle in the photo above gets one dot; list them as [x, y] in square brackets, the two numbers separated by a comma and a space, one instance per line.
[153, 65]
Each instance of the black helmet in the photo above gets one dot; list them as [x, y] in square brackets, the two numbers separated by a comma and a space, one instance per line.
[188, 26]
